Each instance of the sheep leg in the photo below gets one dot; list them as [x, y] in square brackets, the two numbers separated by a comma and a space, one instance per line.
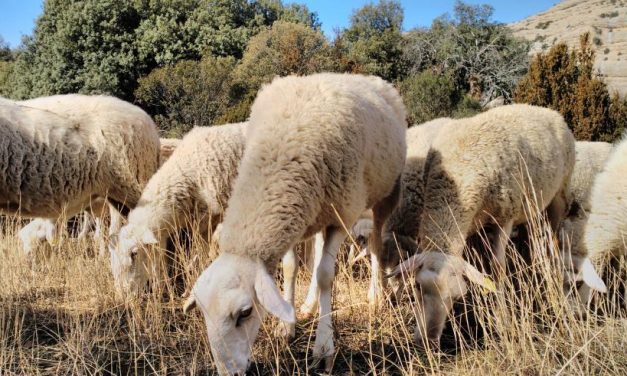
[311, 301]
[323, 346]
[290, 269]
[381, 211]
[499, 247]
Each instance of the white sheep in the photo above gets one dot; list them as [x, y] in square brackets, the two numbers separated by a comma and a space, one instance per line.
[590, 159]
[321, 149]
[480, 171]
[47, 231]
[190, 190]
[606, 230]
[58, 153]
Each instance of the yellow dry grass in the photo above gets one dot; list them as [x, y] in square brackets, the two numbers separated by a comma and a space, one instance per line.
[62, 318]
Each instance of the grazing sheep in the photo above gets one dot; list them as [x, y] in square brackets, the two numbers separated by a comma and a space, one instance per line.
[606, 230]
[58, 153]
[479, 173]
[40, 231]
[589, 161]
[401, 229]
[321, 149]
[35, 233]
[191, 188]
[168, 145]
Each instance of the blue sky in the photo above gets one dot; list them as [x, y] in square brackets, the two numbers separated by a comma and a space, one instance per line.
[17, 16]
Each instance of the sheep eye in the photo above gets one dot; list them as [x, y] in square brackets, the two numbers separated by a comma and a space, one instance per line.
[578, 284]
[243, 315]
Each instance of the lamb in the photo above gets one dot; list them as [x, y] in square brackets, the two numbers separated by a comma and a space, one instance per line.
[589, 160]
[606, 230]
[58, 153]
[478, 173]
[321, 149]
[191, 188]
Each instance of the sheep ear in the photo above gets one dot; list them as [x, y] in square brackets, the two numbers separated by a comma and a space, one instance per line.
[190, 303]
[148, 237]
[411, 264]
[481, 279]
[270, 298]
[591, 278]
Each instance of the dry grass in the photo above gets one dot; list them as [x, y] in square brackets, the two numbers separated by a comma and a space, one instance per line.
[62, 317]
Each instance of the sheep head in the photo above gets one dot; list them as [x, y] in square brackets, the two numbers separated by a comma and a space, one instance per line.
[440, 280]
[234, 294]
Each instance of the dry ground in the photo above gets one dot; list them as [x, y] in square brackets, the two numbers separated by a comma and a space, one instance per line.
[62, 317]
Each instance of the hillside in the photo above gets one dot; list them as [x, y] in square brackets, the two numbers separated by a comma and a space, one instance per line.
[606, 20]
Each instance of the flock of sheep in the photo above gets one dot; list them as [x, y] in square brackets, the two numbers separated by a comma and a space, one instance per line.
[320, 155]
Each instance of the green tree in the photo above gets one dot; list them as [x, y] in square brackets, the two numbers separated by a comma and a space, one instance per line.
[429, 95]
[372, 43]
[189, 93]
[5, 52]
[105, 46]
[285, 48]
[484, 57]
[564, 81]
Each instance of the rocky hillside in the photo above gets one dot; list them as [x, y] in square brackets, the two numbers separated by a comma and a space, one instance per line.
[606, 20]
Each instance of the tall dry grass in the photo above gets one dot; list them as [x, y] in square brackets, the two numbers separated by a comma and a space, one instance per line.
[62, 317]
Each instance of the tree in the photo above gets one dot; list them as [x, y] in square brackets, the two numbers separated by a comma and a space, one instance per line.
[486, 59]
[564, 81]
[372, 42]
[105, 46]
[5, 51]
[189, 93]
[429, 95]
[285, 48]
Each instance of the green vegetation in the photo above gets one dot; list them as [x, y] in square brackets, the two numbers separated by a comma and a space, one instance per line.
[201, 62]
[563, 80]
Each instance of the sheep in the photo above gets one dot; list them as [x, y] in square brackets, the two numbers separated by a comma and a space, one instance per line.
[589, 160]
[58, 153]
[168, 145]
[193, 185]
[41, 231]
[401, 229]
[606, 230]
[479, 171]
[321, 149]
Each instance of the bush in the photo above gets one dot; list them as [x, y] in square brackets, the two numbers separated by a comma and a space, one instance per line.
[429, 95]
[286, 48]
[564, 81]
[188, 94]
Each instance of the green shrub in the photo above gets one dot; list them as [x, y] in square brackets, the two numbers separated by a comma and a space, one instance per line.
[429, 95]
[187, 94]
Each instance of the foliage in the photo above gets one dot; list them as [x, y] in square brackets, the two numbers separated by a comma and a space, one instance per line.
[484, 56]
[5, 51]
[189, 93]
[563, 80]
[372, 43]
[285, 48]
[105, 46]
[429, 95]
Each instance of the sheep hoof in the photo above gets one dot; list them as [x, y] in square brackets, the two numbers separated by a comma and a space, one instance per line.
[307, 310]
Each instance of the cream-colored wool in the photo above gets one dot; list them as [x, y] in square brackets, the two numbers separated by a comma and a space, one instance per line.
[191, 188]
[320, 150]
[606, 230]
[483, 171]
[590, 159]
[401, 229]
[59, 152]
